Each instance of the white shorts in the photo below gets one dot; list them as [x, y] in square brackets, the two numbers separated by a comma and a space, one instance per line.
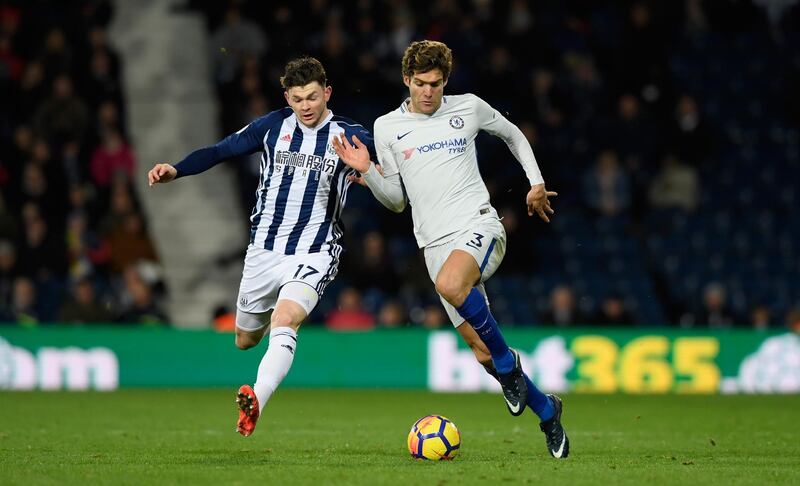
[266, 272]
[485, 241]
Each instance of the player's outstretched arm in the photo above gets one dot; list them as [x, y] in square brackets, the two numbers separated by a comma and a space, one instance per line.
[538, 202]
[387, 190]
[161, 173]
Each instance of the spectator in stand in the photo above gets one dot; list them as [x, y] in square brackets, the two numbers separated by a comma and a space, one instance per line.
[760, 318]
[391, 315]
[142, 307]
[606, 186]
[676, 185]
[549, 103]
[8, 273]
[793, 320]
[113, 158]
[108, 117]
[23, 309]
[32, 90]
[86, 252]
[634, 134]
[350, 315]
[34, 188]
[237, 39]
[82, 306]
[57, 54]
[121, 203]
[714, 313]
[41, 255]
[374, 267]
[130, 243]
[63, 117]
[613, 312]
[563, 310]
[102, 78]
[434, 318]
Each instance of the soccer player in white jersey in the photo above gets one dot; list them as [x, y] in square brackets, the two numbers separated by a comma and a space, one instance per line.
[427, 157]
[295, 225]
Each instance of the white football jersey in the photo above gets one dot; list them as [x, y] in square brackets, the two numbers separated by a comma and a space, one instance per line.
[436, 160]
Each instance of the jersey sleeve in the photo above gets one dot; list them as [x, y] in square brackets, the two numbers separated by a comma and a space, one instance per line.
[387, 188]
[246, 141]
[364, 135]
[385, 156]
[492, 121]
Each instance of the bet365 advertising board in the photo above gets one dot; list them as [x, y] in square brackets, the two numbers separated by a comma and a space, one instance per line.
[575, 360]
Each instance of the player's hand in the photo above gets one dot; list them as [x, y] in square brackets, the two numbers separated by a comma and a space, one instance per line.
[355, 156]
[162, 173]
[538, 203]
[360, 180]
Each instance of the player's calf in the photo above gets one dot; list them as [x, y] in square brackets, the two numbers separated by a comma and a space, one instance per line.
[247, 340]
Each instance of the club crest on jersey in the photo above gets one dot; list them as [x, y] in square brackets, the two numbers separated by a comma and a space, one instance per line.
[331, 151]
[456, 122]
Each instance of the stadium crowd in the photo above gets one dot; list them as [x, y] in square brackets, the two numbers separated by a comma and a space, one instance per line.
[670, 131]
[74, 246]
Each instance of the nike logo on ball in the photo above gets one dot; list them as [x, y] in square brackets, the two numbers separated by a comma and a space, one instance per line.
[403, 135]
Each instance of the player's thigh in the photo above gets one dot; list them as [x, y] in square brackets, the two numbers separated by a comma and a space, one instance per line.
[250, 325]
[313, 270]
[261, 280]
[459, 271]
[305, 278]
[296, 300]
[486, 244]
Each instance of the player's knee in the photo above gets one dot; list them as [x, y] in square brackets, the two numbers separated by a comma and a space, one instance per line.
[244, 341]
[282, 319]
[451, 288]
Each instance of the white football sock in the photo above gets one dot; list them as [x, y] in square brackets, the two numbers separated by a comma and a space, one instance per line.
[275, 363]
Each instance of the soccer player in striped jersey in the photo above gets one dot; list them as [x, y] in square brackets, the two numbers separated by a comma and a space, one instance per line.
[295, 226]
[427, 156]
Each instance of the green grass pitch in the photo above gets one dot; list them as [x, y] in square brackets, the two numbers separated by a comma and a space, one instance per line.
[359, 437]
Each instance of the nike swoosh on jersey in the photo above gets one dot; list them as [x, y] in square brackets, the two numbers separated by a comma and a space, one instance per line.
[514, 408]
[403, 135]
[557, 453]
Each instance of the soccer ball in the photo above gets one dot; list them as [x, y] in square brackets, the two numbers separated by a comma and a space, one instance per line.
[434, 438]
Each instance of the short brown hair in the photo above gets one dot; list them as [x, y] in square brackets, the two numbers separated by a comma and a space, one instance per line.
[423, 56]
[302, 71]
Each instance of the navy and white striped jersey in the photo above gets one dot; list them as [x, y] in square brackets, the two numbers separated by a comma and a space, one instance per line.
[303, 184]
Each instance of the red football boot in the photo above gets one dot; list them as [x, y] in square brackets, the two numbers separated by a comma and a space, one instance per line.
[248, 410]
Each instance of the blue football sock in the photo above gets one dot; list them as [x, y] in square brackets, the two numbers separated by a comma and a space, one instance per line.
[538, 402]
[475, 311]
